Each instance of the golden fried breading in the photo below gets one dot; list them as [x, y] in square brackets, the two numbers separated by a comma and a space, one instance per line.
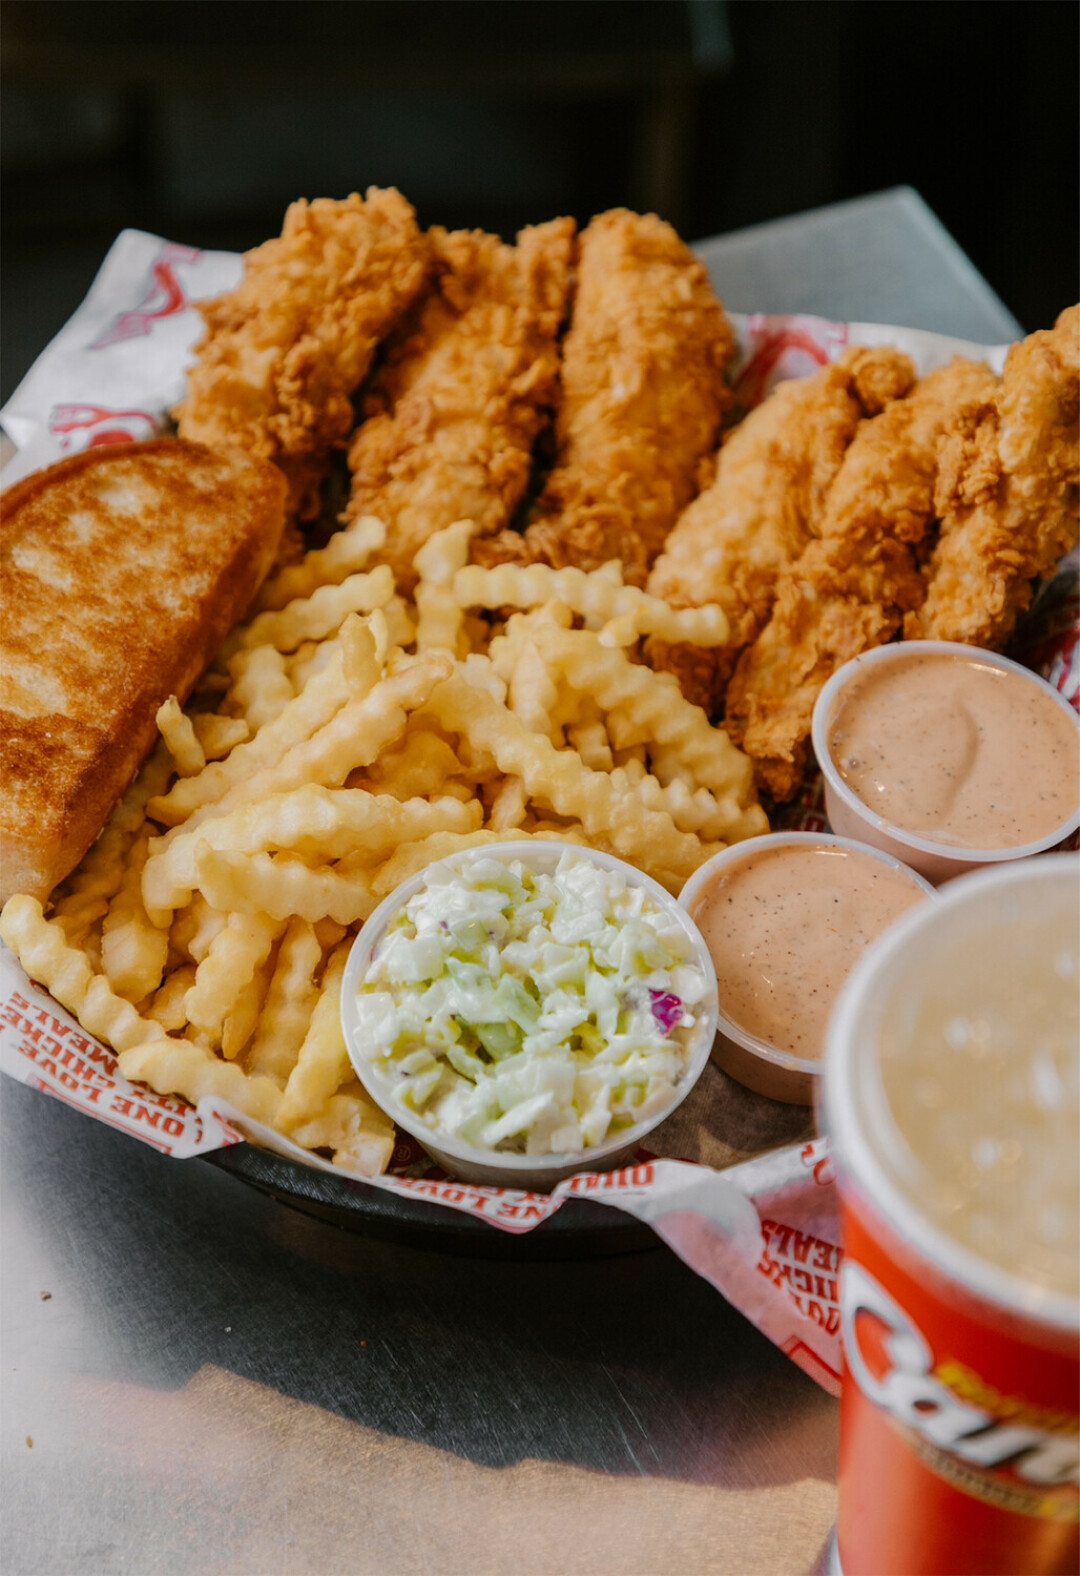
[284, 351]
[642, 397]
[1006, 493]
[465, 390]
[849, 590]
[772, 477]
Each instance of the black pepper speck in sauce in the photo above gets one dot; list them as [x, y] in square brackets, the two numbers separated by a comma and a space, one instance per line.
[786, 925]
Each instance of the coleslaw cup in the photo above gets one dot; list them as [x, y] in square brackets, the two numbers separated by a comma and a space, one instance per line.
[850, 816]
[756, 1063]
[497, 1167]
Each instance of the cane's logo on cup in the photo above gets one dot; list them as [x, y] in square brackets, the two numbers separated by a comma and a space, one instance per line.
[1008, 1453]
[163, 296]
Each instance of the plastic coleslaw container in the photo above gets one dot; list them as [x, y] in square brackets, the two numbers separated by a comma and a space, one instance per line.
[483, 1164]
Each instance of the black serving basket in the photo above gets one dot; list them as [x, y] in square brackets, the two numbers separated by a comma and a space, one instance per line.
[581, 1229]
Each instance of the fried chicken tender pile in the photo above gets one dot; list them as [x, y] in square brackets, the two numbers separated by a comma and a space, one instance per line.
[467, 384]
[773, 476]
[851, 507]
[641, 402]
[285, 350]
[1006, 493]
[850, 588]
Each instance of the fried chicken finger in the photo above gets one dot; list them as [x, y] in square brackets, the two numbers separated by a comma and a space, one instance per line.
[285, 350]
[464, 391]
[1006, 494]
[773, 474]
[642, 397]
[850, 589]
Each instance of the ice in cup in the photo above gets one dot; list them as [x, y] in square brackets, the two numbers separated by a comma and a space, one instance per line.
[952, 1097]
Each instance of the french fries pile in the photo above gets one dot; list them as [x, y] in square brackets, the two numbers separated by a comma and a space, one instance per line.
[344, 740]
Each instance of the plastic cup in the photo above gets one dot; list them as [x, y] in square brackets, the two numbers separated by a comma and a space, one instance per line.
[497, 1167]
[754, 1062]
[850, 816]
[958, 1443]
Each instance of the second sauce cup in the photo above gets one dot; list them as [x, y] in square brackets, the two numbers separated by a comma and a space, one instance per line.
[948, 757]
[786, 917]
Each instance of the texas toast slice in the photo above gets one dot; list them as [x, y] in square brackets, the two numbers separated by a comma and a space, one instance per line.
[122, 570]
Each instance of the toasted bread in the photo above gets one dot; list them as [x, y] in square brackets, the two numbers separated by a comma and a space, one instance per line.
[122, 570]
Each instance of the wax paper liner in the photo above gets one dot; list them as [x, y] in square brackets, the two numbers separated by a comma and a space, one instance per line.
[763, 1230]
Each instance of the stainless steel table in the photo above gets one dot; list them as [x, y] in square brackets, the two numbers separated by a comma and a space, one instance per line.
[196, 1378]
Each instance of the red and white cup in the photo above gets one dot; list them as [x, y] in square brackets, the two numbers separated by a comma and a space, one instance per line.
[959, 1430]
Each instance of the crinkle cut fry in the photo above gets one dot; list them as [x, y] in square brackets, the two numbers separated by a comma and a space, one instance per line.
[356, 736]
[598, 597]
[182, 1068]
[290, 1001]
[167, 1007]
[133, 950]
[239, 1022]
[321, 699]
[559, 778]
[361, 1136]
[440, 620]
[218, 735]
[330, 823]
[421, 765]
[347, 552]
[261, 687]
[178, 732]
[285, 350]
[662, 715]
[283, 886]
[1006, 494]
[84, 897]
[146, 1053]
[241, 947]
[322, 1064]
[44, 952]
[317, 616]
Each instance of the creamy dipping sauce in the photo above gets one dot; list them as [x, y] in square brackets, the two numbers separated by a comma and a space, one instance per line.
[957, 751]
[785, 928]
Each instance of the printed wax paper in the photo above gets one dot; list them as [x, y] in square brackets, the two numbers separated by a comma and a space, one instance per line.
[738, 1185]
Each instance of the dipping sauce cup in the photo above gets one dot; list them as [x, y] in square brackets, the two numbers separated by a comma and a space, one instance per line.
[499, 1166]
[785, 918]
[952, 1100]
[948, 757]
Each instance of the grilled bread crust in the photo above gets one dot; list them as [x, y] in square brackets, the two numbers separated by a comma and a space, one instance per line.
[122, 570]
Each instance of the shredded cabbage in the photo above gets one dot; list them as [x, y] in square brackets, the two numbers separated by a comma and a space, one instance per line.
[529, 1012]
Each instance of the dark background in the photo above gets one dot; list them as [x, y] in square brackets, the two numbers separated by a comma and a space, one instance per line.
[202, 119]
